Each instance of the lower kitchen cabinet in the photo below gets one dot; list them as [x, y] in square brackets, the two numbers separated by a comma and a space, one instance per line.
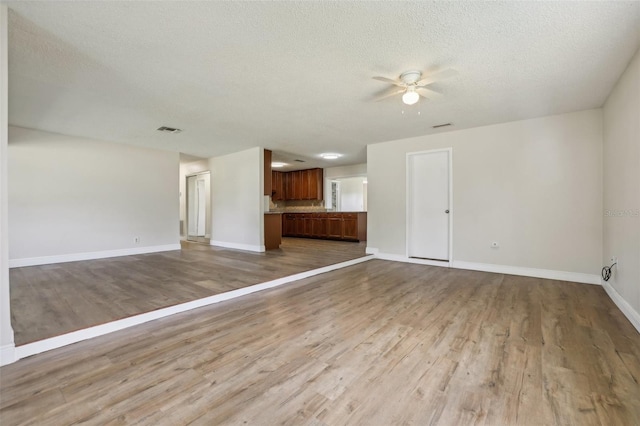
[334, 226]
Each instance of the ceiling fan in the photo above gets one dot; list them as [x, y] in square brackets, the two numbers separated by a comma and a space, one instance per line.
[412, 85]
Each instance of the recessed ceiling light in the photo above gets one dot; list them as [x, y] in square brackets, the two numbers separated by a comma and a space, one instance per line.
[278, 165]
[330, 156]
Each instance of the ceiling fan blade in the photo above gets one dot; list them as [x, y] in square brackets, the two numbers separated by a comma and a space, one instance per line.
[388, 80]
[428, 93]
[448, 73]
[388, 93]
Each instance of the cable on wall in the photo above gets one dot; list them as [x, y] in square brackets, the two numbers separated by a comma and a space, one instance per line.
[606, 272]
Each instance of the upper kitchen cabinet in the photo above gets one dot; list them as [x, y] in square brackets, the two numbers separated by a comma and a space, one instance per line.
[278, 186]
[267, 172]
[298, 185]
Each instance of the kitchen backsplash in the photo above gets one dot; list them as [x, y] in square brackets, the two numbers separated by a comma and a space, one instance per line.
[297, 206]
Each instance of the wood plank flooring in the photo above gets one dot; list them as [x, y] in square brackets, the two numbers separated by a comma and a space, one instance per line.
[51, 300]
[378, 343]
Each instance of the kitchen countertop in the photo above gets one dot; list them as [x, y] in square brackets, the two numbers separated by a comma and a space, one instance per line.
[316, 211]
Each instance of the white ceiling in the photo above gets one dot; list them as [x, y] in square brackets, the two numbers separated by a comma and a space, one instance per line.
[295, 77]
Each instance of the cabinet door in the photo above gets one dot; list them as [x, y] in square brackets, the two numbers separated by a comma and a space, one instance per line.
[308, 225]
[267, 172]
[334, 226]
[299, 225]
[276, 181]
[316, 184]
[350, 226]
[288, 225]
[286, 186]
[298, 186]
[305, 175]
[319, 229]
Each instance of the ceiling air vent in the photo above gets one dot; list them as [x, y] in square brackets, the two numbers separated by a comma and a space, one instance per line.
[442, 125]
[169, 129]
[300, 161]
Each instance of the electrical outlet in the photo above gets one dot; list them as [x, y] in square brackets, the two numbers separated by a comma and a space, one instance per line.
[495, 244]
[136, 240]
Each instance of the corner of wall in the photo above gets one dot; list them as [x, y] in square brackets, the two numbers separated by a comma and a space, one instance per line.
[8, 354]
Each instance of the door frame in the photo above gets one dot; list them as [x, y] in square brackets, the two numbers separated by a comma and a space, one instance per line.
[408, 200]
[186, 205]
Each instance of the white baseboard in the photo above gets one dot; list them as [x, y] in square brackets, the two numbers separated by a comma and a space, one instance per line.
[238, 246]
[74, 257]
[100, 330]
[402, 258]
[499, 269]
[8, 354]
[529, 272]
[632, 315]
[371, 250]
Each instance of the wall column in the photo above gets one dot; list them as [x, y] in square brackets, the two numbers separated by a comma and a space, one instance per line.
[7, 345]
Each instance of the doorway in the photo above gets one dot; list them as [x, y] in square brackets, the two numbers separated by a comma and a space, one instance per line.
[199, 207]
[429, 205]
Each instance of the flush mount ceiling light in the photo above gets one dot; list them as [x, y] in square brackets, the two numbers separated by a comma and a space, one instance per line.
[278, 165]
[330, 156]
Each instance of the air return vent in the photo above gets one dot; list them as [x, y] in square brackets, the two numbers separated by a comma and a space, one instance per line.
[169, 129]
[442, 125]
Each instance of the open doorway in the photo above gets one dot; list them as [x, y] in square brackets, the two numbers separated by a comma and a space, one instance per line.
[199, 207]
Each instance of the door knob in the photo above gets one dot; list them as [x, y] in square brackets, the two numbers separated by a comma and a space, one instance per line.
[447, 211]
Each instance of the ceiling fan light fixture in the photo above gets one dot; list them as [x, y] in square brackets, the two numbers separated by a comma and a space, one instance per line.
[410, 97]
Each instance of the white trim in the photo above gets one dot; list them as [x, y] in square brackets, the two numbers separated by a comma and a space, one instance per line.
[8, 354]
[74, 257]
[632, 315]
[371, 250]
[529, 272]
[100, 330]
[498, 269]
[405, 259]
[407, 182]
[238, 246]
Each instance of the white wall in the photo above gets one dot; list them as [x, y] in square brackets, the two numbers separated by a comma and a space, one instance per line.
[7, 347]
[622, 188]
[331, 173]
[534, 186]
[352, 194]
[70, 196]
[237, 204]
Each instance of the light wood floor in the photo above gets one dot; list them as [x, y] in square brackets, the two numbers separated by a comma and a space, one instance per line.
[51, 300]
[378, 343]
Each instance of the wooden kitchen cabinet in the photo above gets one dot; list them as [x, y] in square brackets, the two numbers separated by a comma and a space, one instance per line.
[299, 185]
[267, 172]
[319, 226]
[315, 182]
[334, 226]
[350, 226]
[277, 186]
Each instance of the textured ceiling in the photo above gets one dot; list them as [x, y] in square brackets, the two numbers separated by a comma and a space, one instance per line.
[295, 77]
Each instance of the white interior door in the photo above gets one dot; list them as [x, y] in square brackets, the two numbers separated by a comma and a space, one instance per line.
[201, 204]
[192, 207]
[428, 205]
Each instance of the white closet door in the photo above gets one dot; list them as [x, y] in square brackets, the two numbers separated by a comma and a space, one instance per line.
[428, 205]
